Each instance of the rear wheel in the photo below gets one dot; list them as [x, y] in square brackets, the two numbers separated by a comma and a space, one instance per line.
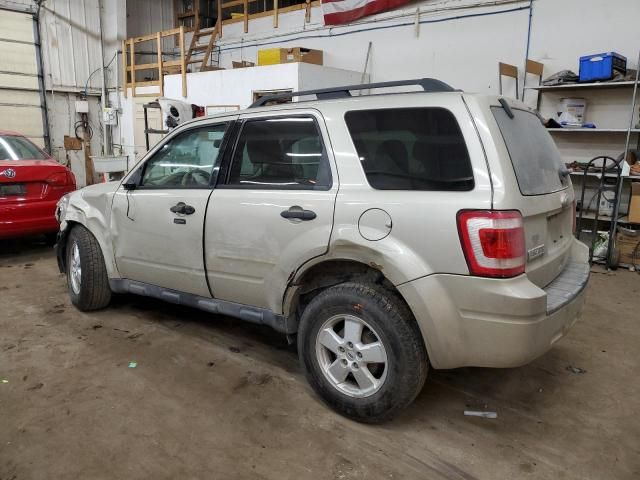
[362, 351]
[86, 272]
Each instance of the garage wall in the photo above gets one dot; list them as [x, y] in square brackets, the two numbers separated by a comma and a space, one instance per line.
[70, 38]
[458, 41]
[21, 105]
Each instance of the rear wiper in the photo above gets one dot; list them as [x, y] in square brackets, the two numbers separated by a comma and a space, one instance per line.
[506, 107]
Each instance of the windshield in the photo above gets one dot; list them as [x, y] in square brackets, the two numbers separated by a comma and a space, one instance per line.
[535, 157]
[19, 148]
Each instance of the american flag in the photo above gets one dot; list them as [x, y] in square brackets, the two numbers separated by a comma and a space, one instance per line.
[337, 12]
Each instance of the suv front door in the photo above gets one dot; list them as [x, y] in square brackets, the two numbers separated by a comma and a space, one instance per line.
[157, 226]
[272, 209]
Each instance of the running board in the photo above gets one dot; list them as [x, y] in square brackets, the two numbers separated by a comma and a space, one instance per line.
[260, 316]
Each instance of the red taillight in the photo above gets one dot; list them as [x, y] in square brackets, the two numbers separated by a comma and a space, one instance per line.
[61, 179]
[493, 242]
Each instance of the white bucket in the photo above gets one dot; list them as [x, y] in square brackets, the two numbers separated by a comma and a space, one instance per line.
[572, 111]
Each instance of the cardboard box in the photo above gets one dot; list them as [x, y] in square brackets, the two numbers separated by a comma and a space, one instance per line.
[634, 204]
[626, 242]
[274, 56]
[243, 64]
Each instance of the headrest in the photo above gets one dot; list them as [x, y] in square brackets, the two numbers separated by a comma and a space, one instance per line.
[266, 152]
[393, 148]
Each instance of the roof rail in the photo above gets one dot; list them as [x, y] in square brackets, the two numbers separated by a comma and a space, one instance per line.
[427, 84]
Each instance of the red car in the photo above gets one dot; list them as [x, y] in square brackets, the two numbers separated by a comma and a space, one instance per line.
[31, 183]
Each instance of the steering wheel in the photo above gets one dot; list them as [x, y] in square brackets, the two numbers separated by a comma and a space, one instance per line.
[196, 177]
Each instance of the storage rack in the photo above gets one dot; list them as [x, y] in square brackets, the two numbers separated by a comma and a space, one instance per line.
[147, 130]
[599, 136]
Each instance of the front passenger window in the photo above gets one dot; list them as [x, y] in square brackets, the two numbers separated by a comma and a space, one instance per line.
[187, 160]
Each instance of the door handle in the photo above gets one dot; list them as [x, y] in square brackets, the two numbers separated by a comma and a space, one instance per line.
[183, 209]
[299, 213]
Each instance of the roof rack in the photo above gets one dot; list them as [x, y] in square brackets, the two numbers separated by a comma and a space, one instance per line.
[427, 84]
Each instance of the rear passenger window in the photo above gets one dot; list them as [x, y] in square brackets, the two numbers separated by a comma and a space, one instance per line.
[411, 149]
[283, 153]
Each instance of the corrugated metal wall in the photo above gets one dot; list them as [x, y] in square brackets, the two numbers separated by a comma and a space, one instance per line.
[148, 16]
[71, 38]
[70, 41]
[71, 53]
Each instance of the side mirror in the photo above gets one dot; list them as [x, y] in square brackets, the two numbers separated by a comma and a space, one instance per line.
[129, 186]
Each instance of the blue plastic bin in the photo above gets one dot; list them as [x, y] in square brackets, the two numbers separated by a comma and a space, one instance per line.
[601, 66]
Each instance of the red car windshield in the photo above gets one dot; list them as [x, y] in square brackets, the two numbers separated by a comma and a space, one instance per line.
[18, 148]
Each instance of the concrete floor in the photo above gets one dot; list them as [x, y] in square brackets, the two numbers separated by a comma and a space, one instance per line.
[215, 398]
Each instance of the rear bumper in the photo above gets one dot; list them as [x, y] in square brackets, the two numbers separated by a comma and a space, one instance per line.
[472, 321]
[28, 218]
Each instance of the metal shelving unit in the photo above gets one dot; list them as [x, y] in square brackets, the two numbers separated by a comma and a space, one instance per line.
[574, 141]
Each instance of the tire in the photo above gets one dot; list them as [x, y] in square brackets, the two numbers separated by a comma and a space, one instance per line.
[384, 319]
[89, 290]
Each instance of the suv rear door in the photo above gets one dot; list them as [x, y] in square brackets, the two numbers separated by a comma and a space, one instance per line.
[529, 175]
[272, 209]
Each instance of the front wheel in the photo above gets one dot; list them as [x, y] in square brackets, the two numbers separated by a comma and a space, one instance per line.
[362, 351]
[86, 272]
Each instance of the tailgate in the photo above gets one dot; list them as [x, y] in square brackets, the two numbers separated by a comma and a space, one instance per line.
[543, 194]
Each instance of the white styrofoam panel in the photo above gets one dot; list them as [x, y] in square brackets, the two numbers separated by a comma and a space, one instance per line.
[25, 120]
[233, 86]
[20, 110]
[16, 26]
[18, 57]
[18, 97]
[18, 81]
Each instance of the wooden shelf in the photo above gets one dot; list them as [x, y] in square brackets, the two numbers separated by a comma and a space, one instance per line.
[623, 219]
[583, 86]
[593, 130]
[608, 175]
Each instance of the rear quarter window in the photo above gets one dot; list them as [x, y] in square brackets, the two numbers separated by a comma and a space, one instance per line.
[411, 149]
[534, 156]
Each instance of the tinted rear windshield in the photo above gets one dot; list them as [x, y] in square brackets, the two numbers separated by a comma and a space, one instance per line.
[18, 148]
[411, 149]
[535, 158]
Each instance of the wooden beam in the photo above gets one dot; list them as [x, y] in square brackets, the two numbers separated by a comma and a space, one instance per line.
[245, 9]
[207, 53]
[275, 13]
[220, 17]
[268, 13]
[307, 15]
[170, 32]
[132, 52]
[160, 75]
[149, 83]
[233, 3]
[125, 75]
[183, 67]
[144, 66]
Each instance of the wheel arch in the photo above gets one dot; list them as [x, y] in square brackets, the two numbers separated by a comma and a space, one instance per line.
[95, 228]
[319, 276]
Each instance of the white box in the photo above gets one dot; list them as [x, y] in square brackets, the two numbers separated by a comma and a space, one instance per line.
[572, 111]
[82, 106]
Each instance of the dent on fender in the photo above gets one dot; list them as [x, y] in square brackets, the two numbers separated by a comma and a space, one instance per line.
[91, 207]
